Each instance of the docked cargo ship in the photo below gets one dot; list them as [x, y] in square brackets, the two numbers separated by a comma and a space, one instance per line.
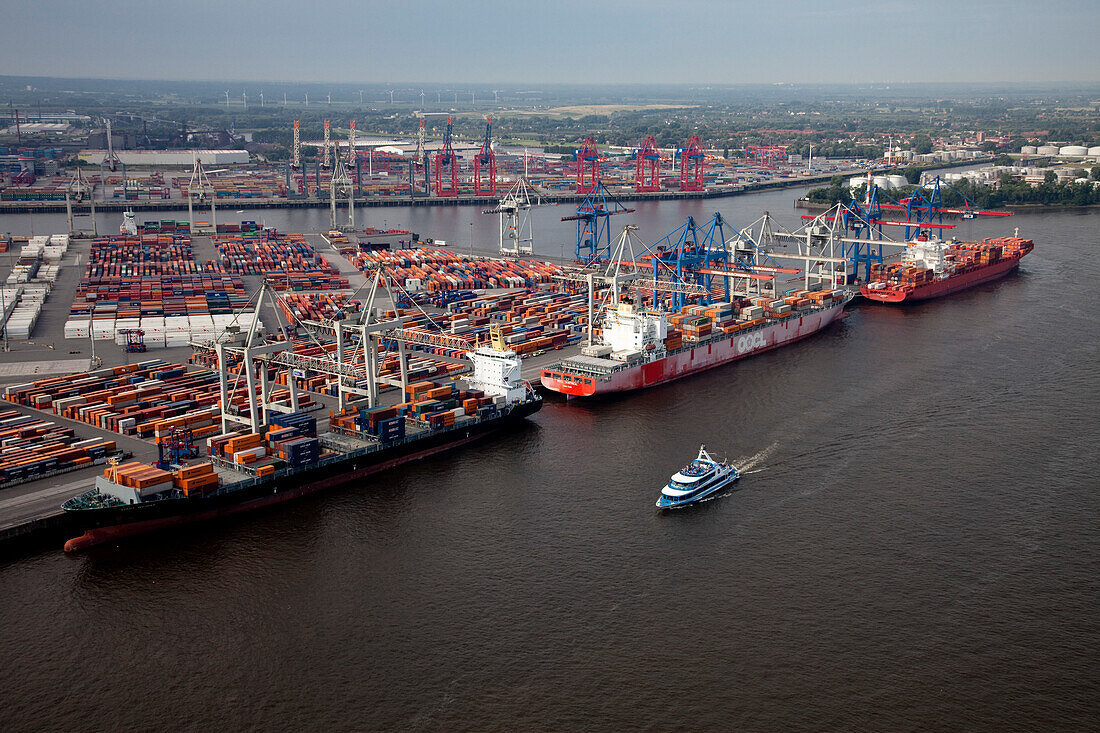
[641, 348]
[136, 499]
[933, 268]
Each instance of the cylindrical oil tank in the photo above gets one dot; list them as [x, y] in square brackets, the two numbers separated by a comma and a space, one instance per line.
[1073, 151]
[1029, 150]
[1047, 150]
[897, 181]
[1094, 151]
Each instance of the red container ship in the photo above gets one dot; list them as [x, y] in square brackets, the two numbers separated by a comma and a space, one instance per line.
[642, 348]
[933, 269]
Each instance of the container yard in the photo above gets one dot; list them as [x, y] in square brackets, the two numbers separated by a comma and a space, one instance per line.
[32, 449]
[289, 261]
[28, 285]
[437, 269]
[152, 284]
[146, 399]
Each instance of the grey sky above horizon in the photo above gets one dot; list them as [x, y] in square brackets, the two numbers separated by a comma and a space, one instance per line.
[608, 41]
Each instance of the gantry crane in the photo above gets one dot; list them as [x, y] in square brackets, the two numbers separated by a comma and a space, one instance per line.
[420, 160]
[77, 191]
[350, 160]
[593, 234]
[110, 158]
[766, 156]
[588, 167]
[647, 177]
[623, 273]
[860, 226]
[341, 185]
[926, 204]
[515, 221]
[691, 165]
[326, 160]
[689, 257]
[446, 166]
[200, 187]
[485, 164]
[296, 153]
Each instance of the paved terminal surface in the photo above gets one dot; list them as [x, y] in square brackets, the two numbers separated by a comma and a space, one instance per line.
[42, 368]
[42, 499]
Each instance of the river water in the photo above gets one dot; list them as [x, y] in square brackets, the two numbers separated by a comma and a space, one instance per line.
[913, 546]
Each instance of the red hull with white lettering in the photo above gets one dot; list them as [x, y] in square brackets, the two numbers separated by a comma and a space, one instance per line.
[693, 359]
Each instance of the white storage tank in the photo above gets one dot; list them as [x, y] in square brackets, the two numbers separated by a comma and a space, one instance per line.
[1047, 150]
[1029, 150]
[1073, 151]
[857, 181]
[1094, 151]
[897, 181]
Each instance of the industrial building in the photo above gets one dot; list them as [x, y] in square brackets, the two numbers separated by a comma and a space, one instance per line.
[168, 157]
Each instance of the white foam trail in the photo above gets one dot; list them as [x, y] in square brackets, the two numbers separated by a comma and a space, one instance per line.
[752, 462]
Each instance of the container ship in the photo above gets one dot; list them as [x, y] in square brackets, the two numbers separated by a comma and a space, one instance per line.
[641, 348]
[933, 268]
[287, 458]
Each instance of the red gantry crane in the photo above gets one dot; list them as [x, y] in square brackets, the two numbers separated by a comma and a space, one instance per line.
[485, 164]
[446, 166]
[647, 177]
[691, 165]
[766, 156]
[588, 166]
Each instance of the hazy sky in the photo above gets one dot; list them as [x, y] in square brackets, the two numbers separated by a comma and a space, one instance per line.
[490, 41]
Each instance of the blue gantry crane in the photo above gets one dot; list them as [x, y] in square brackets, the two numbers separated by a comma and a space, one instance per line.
[924, 208]
[691, 258]
[593, 232]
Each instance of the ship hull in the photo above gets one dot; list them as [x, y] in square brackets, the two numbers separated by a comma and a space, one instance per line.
[112, 524]
[944, 287]
[666, 502]
[693, 360]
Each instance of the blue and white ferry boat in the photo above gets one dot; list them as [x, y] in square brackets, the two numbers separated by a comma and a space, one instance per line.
[698, 480]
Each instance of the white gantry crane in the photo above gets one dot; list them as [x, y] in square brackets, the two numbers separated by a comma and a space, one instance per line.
[360, 341]
[341, 185]
[110, 158]
[350, 161]
[514, 209]
[202, 189]
[326, 161]
[296, 153]
[77, 191]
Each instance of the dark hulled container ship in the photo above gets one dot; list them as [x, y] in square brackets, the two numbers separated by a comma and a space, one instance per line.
[126, 503]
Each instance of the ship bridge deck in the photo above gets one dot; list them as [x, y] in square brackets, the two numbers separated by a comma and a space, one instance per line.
[589, 365]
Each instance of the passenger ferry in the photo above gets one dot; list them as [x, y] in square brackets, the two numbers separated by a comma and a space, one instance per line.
[696, 481]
